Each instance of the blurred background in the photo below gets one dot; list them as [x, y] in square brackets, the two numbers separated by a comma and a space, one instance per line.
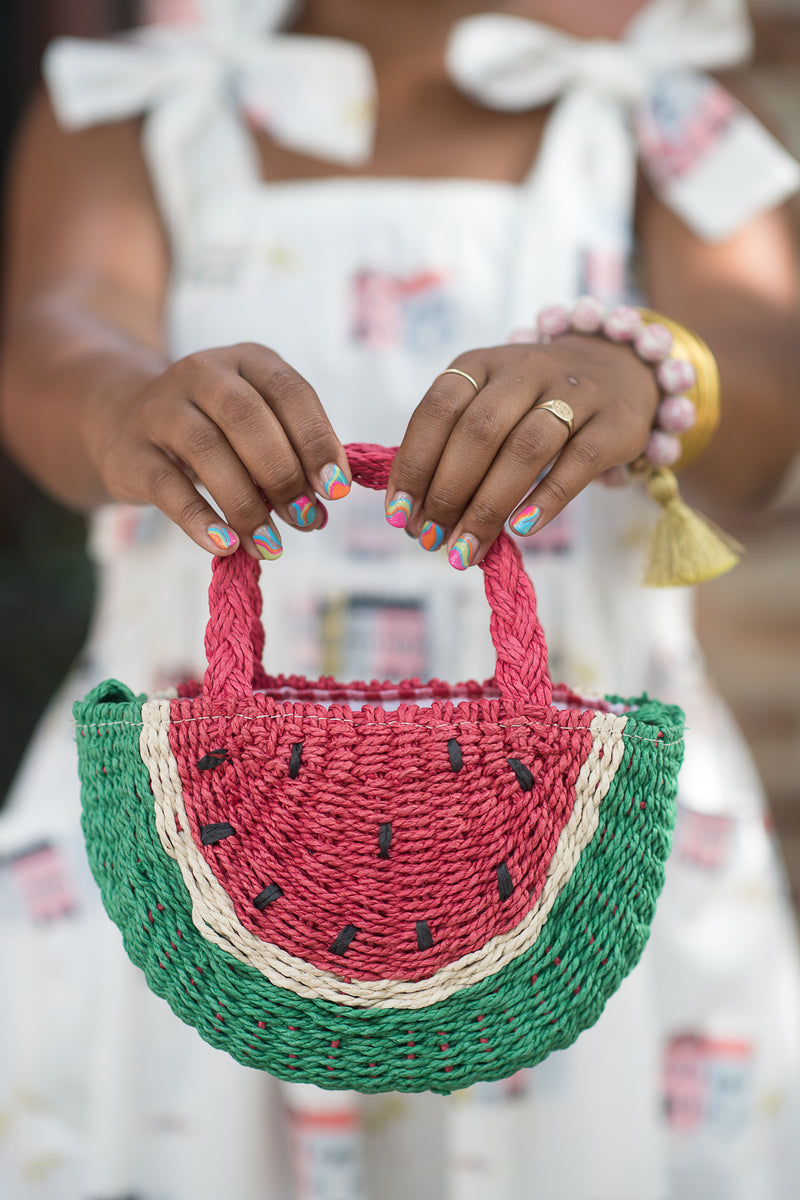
[749, 621]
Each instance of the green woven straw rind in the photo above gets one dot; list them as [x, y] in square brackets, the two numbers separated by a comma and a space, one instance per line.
[540, 1002]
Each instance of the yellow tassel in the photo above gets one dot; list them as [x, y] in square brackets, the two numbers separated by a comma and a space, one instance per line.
[685, 547]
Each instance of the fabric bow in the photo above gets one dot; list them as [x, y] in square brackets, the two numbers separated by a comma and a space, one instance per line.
[708, 158]
[514, 63]
[314, 95]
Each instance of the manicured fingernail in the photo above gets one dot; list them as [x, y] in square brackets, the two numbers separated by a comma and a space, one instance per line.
[267, 542]
[334, 481]
[463, 553]
[304, 511]
[431, 536]
[398, 510]
[525, 519]
[222, 537]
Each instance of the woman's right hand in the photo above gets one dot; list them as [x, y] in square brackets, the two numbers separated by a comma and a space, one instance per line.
[237, 420]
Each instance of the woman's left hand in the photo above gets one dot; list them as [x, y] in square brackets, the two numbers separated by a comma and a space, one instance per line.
[470, 458]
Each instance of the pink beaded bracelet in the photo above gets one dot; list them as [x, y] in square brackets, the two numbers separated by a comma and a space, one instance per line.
[684, 548]
[653, 339]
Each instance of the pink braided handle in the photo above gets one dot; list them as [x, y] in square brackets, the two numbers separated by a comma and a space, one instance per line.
[234, 634]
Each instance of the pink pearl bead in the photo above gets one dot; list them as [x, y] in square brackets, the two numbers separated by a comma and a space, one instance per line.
[523, 335]
[676, 375]
[553, 320]
[676, 414]
[587, 315]
[654, 343]
[622, 324]
[663, 449]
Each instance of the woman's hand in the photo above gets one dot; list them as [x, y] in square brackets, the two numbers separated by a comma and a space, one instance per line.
[89, 403]
[240, 422]
[469, 457]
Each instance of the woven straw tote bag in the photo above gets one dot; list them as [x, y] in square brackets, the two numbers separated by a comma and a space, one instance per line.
[372, 895]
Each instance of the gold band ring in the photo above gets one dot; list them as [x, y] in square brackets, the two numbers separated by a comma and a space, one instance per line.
[560, 409]
[455, 371]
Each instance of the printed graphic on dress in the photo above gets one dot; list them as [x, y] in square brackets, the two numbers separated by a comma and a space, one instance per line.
[703, 839]
[40, 882]
[327, 1153]
[414, 312]
[132, 525]
[685, 116]
[708, 1084]
[372, 637]
[602, 273]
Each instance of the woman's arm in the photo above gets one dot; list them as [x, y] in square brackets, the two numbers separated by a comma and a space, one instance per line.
[742, 297]
[91, 404]
[86, 270]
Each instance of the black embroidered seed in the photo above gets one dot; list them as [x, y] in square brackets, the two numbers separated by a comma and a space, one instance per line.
[344, 939]
[273, 892]
[524, 777]
[505, 884]
[295, 760]
[213, 759]
[384, 839]
[210, 834]
[424, 936]
[454, 750]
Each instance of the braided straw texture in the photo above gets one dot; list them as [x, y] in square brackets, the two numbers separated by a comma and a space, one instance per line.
[372, 899]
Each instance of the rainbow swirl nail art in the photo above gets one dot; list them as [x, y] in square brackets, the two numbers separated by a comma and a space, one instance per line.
[525, 520]
[462, 553]
[267, 543]
[222, 536]
[334, 482]
[304, 511]
[432, 536]
[398, 511]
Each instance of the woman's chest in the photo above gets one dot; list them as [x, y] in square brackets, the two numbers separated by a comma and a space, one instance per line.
[378, 279]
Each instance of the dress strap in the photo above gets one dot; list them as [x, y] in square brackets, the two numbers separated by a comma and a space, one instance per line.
[645, 96]
[198, 85]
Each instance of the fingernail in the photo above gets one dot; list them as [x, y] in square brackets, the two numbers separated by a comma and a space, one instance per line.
[398, 510]
[463, 552]
[267, 542]
[431, 536]
[304, 511]
[334, 481]
[525, 519]
[222, 537]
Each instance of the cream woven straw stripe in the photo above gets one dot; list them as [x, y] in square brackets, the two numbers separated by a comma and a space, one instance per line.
[215, 919]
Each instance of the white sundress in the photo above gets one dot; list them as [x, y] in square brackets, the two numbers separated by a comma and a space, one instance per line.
[689, 1085]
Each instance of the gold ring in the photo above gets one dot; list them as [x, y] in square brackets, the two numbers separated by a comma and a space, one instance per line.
[560, 409]
[455, 371]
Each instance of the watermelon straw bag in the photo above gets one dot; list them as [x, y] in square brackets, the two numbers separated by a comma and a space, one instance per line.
[379, 886]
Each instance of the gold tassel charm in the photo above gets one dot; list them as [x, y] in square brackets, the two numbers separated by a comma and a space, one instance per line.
[685, 547]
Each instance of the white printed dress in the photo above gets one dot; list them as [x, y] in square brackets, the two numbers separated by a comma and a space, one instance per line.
[687, 1088]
